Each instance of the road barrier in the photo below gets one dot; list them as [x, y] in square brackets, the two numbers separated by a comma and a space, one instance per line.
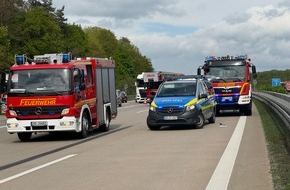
[280, 103]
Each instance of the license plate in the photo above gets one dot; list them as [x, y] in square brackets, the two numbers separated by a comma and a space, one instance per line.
[170, 118]
[227, 98]
[38, 123]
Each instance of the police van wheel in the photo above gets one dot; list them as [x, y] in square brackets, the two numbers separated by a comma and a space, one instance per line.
[212, 118]
[24, 136]
[200, 121]
[154, 127]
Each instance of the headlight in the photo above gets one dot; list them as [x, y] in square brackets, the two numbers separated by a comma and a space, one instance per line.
[66, 123]
[152, 108]
[190, 107]
[12, 125]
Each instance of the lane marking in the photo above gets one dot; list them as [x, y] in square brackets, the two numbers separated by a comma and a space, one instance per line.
[221, 176]
[2, 126]
[124, 107]
[35, 169]
[142, 111]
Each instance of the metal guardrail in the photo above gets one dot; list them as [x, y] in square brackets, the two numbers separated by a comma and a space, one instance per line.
[280, 103]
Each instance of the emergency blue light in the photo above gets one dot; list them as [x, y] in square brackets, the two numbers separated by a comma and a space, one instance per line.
[19, 59]
[65, 58]
[211, 58]
[242, 57]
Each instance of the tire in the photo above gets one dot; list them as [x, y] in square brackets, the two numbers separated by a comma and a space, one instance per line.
[152, 127]
[212, 118]
[106, 127]
[200, 121]
[247, 110]
[24, 136]
[86, 126]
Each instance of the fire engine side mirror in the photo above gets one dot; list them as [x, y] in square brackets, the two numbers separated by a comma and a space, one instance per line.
[198, 71]
[254, 71]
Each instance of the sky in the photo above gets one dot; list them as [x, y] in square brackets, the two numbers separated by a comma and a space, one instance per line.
[177, 35]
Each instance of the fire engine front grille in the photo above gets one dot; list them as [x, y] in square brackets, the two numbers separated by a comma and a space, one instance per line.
[170, 110]
[38, 111]
[234, 90]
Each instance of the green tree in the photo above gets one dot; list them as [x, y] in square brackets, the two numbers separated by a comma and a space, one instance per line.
[37, 32]
[75, 40]
[129, 63]
[102, 42]
[9, 9]
[46, 4]
[5, 57]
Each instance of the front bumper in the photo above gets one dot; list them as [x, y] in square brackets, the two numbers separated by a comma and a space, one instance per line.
[43, 125]
[185, 118]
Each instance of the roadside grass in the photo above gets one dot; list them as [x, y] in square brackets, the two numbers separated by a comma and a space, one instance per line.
[278, 142]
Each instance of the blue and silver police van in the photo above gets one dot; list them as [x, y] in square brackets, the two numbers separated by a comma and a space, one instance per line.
[182, 102]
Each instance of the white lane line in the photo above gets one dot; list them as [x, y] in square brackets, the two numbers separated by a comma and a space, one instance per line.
[124, 107]
[2, 126]
[221, 176]
[35, 169]
[142, 111]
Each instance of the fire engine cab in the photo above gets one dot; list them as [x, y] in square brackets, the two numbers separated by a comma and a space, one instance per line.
[231, 78]
[53, 93]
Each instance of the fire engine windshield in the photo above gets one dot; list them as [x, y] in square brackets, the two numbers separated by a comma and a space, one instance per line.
[42, 81]
[228, 73]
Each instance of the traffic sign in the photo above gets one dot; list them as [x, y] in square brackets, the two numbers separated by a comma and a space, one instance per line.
[275, 81]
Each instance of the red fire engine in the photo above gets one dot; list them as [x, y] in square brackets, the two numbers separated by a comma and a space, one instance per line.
[231, 79]
[53, 93]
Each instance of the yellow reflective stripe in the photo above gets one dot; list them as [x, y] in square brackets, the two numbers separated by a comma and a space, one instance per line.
[207, 107]
[191, 102]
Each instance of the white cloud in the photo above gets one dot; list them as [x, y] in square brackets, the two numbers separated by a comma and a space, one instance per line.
[177, 35]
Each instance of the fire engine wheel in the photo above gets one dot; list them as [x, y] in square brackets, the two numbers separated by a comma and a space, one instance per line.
[106, 127]
[200, 121]
[24, 136]
[86, 126]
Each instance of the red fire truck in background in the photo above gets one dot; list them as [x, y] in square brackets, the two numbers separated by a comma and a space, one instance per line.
[53, 93]
[153, 80]
[231, 79]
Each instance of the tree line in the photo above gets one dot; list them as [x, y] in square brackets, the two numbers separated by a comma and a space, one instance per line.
[264, 80]
[35, 27]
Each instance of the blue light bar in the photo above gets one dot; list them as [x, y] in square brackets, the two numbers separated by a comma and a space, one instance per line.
[210, 58]
[19, 59]
[65, 58]
[242, 57]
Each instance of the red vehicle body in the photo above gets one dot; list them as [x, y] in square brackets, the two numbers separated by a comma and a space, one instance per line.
[153, 80]
[231, 79]
[53, 93]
